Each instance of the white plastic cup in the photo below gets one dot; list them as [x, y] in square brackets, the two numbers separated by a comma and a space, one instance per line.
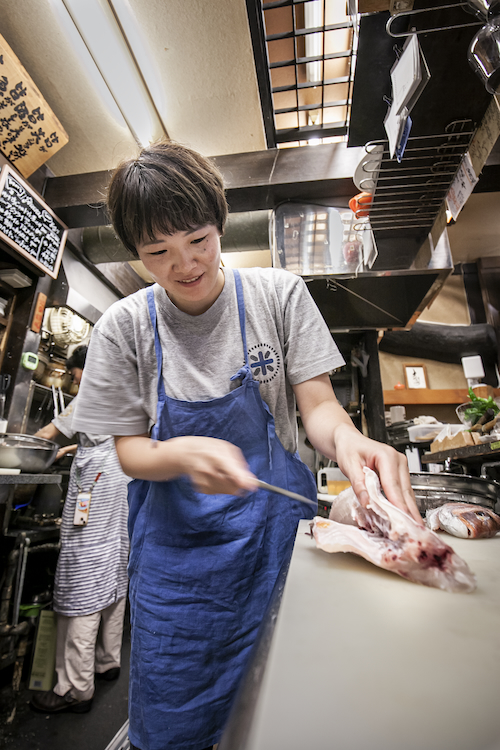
[398, 414]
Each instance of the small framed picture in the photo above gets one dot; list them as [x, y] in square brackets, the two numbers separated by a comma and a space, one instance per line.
[415, 376]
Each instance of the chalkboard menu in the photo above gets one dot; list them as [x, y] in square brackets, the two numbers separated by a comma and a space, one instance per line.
[28, 225]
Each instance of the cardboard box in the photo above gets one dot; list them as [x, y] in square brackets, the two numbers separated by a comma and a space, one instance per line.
[462, 439]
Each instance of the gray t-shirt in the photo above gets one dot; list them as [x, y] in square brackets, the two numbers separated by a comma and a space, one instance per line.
[64, 423]
[288, 342]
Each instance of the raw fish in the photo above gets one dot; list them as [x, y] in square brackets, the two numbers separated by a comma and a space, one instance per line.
[391, 539]
[465, 520]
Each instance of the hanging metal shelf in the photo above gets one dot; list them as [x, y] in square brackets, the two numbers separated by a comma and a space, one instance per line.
[411, 195]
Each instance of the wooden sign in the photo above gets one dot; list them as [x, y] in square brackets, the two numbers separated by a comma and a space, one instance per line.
[28, 225]
[37, 320]
[30, 133]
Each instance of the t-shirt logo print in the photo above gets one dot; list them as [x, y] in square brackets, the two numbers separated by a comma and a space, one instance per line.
[264, 362]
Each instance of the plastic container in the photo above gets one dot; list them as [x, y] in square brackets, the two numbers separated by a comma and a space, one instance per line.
[331, 481]
[418, 433]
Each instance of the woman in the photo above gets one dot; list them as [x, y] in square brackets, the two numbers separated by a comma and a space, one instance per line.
[91, 577]
[211, 365]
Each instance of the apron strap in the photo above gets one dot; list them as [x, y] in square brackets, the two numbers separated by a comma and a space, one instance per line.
[241, 311]
[158, 351]
[244, 374]
[162, 396]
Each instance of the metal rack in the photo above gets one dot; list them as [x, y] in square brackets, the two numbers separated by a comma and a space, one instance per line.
[429, 29]
[40, 406]
[410, 195]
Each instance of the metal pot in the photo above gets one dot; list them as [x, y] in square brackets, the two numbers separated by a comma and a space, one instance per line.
[55, 375]
[26, 452]
[434, 490]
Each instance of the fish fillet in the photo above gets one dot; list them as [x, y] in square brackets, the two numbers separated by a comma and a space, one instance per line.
[465, 520]
[391, 539]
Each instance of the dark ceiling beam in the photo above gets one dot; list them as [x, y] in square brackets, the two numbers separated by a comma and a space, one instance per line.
[78, 199]
[311, 131]
[257, 32]
[255, 181]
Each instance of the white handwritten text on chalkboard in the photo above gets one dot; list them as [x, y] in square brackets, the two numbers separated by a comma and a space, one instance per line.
[28, 225]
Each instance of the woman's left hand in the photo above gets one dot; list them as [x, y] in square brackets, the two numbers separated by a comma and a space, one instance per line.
[65, 450]
[354, 451]
[332, 432]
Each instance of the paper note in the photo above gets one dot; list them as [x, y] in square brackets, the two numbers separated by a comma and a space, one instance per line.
[392, 125]
[406, 74]
[461, 187]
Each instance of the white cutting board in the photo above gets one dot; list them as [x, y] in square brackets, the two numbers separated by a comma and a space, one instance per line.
[363, 660]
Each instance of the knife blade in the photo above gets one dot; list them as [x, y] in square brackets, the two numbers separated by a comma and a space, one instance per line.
[281, 491]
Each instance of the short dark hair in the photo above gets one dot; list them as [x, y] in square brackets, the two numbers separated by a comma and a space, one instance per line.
[77, 358]
[168, 188]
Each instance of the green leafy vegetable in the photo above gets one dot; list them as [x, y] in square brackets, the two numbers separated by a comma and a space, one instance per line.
[479, 406]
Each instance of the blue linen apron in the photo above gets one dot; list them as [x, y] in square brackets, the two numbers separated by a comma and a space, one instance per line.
[202, 567]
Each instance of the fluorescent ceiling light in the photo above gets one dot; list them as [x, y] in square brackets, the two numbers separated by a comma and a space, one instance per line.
[110, 51]
[313, 19]
[140, 50]
[79, 46]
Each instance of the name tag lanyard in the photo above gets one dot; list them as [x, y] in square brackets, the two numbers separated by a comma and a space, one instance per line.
[84, 497]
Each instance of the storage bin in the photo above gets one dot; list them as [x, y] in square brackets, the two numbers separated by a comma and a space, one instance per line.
[331, 481]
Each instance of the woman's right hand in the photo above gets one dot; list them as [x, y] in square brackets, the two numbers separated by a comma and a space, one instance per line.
[214, 466]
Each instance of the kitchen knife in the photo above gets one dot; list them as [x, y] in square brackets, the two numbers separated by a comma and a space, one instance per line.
[281, 491]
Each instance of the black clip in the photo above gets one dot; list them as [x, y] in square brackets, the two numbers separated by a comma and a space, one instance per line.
[397, 51]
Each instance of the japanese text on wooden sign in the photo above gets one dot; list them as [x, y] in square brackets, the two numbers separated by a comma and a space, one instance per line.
[30, 133]
[28, 225]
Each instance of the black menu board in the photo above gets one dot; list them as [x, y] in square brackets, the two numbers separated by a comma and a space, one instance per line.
[28, 224]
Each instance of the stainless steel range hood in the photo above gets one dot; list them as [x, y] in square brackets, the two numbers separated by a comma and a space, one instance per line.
[337, 256]
[312, 240]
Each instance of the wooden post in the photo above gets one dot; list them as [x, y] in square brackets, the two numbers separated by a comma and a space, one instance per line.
[372, 390]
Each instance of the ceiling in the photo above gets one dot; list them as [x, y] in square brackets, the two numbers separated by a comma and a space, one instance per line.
[206, 88]
[206, 92]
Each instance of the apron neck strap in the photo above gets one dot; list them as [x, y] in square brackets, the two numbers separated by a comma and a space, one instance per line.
[241, 311]
[158, 351]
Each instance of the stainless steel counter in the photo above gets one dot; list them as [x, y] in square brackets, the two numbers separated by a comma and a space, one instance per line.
[361, 659]
[29, 478]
